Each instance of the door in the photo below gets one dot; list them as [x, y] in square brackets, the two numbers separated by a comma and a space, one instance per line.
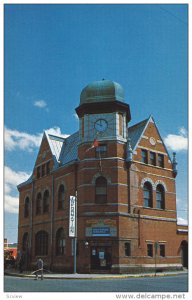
[184, 253]
[101, 258]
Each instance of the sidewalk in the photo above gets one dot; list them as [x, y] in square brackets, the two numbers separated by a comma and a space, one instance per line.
[27, 274]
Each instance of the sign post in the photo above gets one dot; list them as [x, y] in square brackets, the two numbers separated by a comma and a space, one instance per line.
[156, 245]
[73, 226]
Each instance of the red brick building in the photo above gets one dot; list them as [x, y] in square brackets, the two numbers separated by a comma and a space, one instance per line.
[126, 197]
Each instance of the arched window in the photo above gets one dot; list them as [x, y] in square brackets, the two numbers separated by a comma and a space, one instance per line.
[61, 197]
[38, 204]
[101, 190]
[25, 241]
[147, 194]
[46, 202]
[60, 242]
[41, 243]
[26, 208]
[160, 197]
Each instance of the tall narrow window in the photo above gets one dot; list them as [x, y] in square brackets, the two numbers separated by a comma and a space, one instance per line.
[144, 158]
[46, 202]
[150, 250]
[127, 248]
[43, 170]
[26, 208]
[162, 250]
[38, 204]
[60, 242]
[152, 158]
[25, 241]
[38, 172]
[161, 160]
[101, 190]
[101, 151]
[61, 197]
[121, 124]
[82, 126]
[160, 197]
[41, 243]
[147, 194]
[48, 167]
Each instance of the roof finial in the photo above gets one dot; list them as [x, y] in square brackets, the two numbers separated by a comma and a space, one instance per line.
[174, 161]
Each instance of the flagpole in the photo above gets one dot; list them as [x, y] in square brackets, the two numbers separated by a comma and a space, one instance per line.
[100, 160]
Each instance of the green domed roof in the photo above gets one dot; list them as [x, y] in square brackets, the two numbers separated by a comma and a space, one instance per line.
[102, 91]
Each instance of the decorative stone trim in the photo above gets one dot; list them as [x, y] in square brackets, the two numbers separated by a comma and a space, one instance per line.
[47, 188]
[59, 184]
[39, 190]
[161, 183]
[152, 141]
[28, 195]
[155, 151]
[147, 179]
[98, 175]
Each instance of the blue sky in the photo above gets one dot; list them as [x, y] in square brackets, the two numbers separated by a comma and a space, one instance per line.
[53, 51]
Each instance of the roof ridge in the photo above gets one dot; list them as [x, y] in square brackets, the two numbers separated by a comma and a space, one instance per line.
[135, 132]
[57, 136]
[140, 123]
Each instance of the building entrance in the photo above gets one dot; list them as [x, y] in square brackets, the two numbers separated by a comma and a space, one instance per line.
[184, 253]
[101, 258]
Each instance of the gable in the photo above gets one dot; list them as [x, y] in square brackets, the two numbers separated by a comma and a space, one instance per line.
[145, 134]
[44, 152]
[151, 138]
[135, 133]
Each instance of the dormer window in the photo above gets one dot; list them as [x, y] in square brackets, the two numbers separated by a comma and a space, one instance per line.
[43, 170]
[48, 167]
[152, 158]
[144, 158]
[161, 160]
[38, 172]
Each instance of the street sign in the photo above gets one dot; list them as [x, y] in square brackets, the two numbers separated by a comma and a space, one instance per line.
[72, 217]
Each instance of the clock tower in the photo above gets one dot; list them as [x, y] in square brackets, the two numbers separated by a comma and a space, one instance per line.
[103, 117]
[102, 112]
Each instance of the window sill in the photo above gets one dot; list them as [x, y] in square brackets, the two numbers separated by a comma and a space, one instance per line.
[154, 208]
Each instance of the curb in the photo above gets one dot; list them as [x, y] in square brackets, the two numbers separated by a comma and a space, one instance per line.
[92, 277]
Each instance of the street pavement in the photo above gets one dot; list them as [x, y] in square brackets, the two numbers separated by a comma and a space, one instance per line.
[177, 283]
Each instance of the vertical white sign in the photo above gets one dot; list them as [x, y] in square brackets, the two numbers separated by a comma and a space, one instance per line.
[72, 217]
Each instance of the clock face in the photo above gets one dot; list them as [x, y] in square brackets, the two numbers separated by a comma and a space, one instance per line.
[101, 125]
[152, 141]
